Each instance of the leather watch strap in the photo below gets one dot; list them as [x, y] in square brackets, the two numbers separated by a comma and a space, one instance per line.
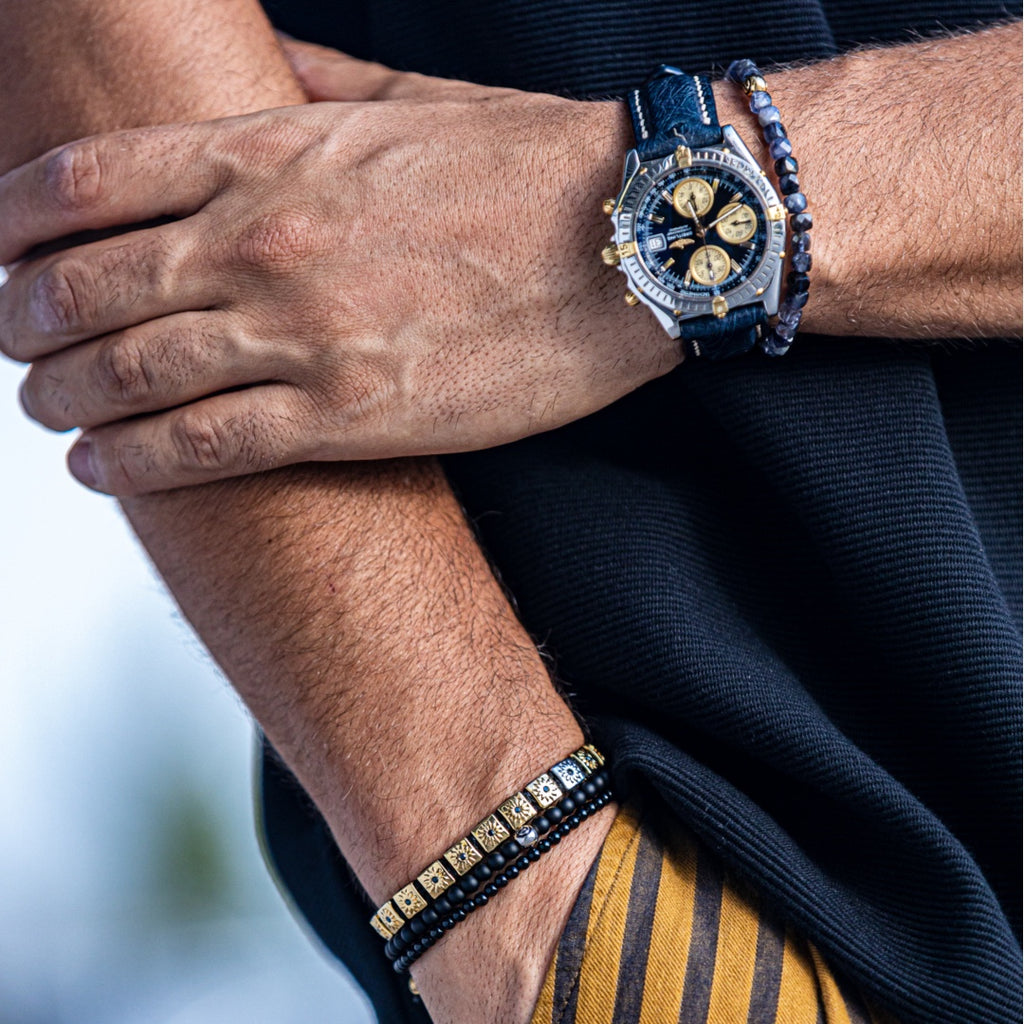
[672, 109]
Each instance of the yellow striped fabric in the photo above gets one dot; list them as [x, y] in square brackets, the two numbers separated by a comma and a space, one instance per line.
[661, 935]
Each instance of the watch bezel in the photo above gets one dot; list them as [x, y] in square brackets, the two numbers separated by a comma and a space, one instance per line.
[647, 176]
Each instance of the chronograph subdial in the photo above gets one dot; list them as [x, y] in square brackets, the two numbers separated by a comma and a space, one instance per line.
[736, 223]
[709, 265]
[692, 197]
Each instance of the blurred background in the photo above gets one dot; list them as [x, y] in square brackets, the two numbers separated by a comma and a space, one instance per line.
[131, 885]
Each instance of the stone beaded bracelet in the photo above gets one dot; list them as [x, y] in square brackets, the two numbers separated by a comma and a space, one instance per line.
[404, 955]
[475, 858]
[779, 337]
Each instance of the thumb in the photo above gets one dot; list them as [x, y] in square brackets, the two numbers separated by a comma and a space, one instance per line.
[327, 74]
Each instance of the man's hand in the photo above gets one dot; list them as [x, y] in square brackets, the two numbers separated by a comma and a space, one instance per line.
[353, 280]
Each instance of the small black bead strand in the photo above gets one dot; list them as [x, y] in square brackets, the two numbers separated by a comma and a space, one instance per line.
[484, 872]
[778, 338]
[530, 856]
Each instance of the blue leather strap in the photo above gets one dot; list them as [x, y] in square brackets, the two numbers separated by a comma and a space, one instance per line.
[709, 337]
[673, 109]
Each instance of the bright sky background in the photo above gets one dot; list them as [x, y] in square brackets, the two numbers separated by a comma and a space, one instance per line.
[124, 753]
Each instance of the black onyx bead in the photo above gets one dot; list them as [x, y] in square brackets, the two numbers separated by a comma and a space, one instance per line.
[430, 915]
[401, 966]
[495, 861]
[567, 804]
[443, 905]
[786, 165]
[512, 870]
[491, 890]
[534, 854]
[555, 838]
[798, 284]
[544, 845]
[480, 899]
[801, 262]
[601, 778]
[509, 849]
[774, 130]
[801, 221]
[589, 788]
[417, 925]
[584, 813]
[390, 949]
[554, 816]
[541, 824]
[447, 922]
[501, 880]
[788, 184]
[800, 242]
[482, 873]
[468, 907]
[574, 821]
[434, 934]
[406, 935]
[524, 862]
[459, 915]
[417, 947]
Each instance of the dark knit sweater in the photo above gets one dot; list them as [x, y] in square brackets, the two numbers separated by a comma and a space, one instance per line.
[786, 593]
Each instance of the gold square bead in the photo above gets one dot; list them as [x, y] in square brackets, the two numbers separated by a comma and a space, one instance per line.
[409, 901]
[587, 759]
[387, 921]
[463, 855]
[435, 879]
[517, 810]
[544, 790]
[593, 750]
[490, 833]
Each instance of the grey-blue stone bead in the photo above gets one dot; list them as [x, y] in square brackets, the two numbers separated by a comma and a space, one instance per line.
[796, 203]
[801, 261]
[788, 184]
[768, 114]
[789, 315]
[759, 100]
[780, 148]
[774, 131]
[740, 70]
[787, 332]
[800, 242]
[773, 345]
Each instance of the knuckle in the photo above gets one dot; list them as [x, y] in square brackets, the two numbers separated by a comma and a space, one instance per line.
[73, 176]
[122, 372]
[200, 442]
[61, 298]
[43, 398]
[277, 241]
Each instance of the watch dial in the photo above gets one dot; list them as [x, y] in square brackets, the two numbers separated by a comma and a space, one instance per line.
[701, 231]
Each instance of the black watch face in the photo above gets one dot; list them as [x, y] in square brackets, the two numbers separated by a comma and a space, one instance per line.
[701, 231]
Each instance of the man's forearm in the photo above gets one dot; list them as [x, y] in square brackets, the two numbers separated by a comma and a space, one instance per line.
[910, 158]
[349, 605]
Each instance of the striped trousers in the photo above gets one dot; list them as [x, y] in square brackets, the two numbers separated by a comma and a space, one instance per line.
[661, 934]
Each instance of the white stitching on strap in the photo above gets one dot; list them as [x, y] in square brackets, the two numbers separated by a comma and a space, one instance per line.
[639, 113]
[700, 99]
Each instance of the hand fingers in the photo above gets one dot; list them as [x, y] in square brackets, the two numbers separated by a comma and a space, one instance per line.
[157, 365]
[227, 435]
[108, 180]
[104, 286]
[327, 74]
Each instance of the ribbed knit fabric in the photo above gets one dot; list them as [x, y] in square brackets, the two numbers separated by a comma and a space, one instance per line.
[785, 592]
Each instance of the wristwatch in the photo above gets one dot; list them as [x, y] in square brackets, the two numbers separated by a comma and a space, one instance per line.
[699, 231]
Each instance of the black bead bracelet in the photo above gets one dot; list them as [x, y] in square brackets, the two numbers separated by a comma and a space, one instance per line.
[512, 854]
[416, 949]
[779, 337]
[474, 859]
